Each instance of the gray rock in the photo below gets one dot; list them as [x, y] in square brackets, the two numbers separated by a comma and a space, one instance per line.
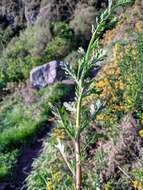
[46, 74]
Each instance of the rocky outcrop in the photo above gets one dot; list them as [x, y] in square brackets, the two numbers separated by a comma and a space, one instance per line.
[12, 12]
[19, 12]
[31, 10]
[46, 74]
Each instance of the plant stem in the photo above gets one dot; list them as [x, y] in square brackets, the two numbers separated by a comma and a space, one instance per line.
[78, 179]
[78, 173]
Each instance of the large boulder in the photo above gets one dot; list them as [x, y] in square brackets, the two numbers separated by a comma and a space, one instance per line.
[46, 74]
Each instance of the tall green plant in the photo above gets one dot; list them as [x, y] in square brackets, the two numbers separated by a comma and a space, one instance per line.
[75, 126]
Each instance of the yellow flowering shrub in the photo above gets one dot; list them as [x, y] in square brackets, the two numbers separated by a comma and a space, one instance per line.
[137, 185]
[118, 84]
[110, 85]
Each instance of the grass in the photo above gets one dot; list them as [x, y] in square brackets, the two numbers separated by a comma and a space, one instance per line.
[20, 122]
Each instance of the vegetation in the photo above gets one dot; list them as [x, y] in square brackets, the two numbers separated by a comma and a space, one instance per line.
[8, 160]
[95, 141]
[19, 121]
[71, 132]
[94, 160]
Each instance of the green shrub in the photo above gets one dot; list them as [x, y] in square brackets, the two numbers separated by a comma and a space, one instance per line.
[7, 162]
[5, 37]
[61, 44]
[61, 29]
[132, 74]
[16, 59]
[137, 173]
[58, 48]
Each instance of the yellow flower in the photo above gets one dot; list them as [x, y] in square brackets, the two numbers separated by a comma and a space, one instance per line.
[139, 26]
[101, 83]
[49, 185]
[106, 187]
[113, 70]
[118, 107]
[129, 77]
[141, 133]
[100, 117]
[117, 46]
[128, 99]
[57, 176]
[108, 36]
[142, 119]
[134, 52]
[119, 85]
[137, 185]
[113, 97]
[58, 133]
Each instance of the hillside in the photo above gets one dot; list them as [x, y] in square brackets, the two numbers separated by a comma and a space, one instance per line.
[71, 100]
